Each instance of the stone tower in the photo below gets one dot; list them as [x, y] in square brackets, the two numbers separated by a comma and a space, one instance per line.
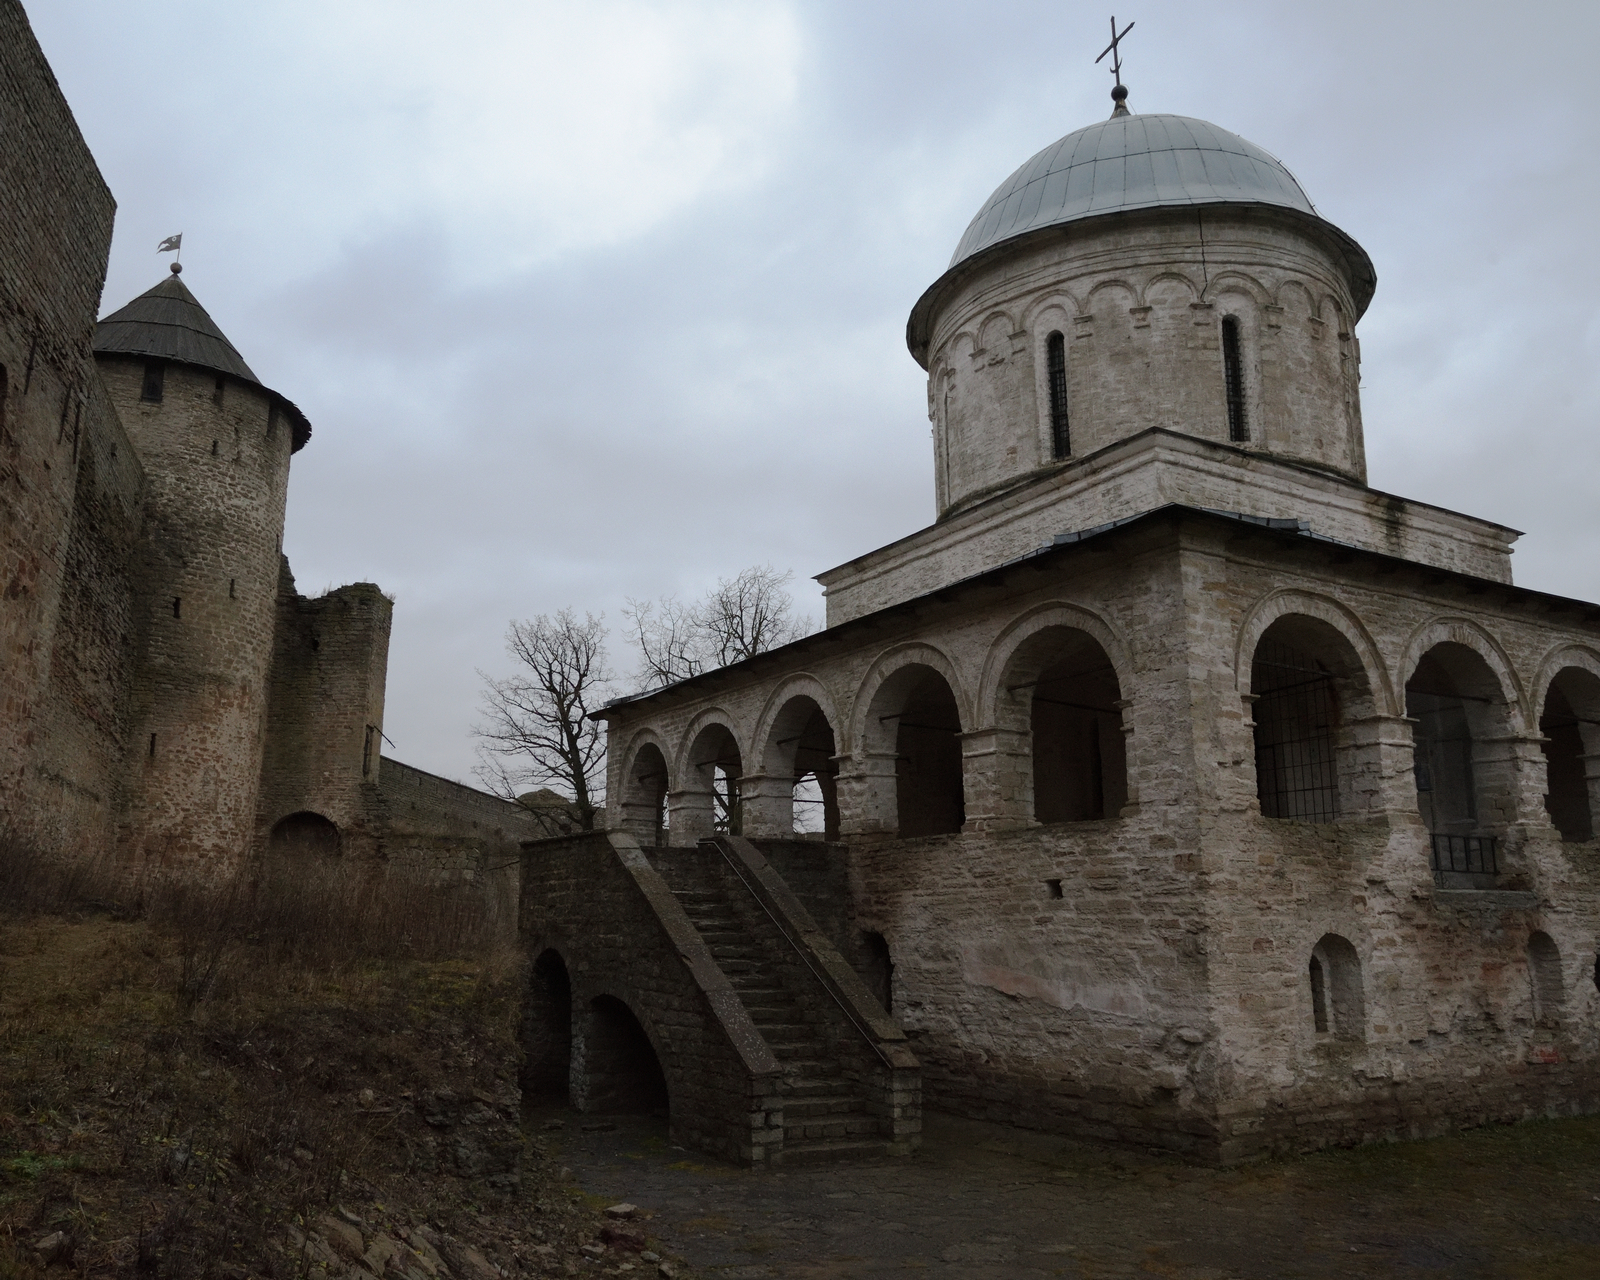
[216, 445]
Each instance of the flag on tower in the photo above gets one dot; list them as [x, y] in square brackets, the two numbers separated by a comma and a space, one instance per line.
[172, 244]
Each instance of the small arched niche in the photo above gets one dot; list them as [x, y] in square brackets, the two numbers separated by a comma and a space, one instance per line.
[1570, 729]
[1544, 977]
[644, 799]
[1466, 793]
[1065, 680]
[1338, 1008]
[914, 714]
[304, 835]
[801, 748]
[547, 1029]
[1308, 690]
[617, 1069]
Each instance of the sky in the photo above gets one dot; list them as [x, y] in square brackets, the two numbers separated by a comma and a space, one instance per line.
[599, 301]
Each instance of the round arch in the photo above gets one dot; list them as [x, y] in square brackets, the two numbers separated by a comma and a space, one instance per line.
[1061, 300]
[1279, 604]
[802, 684]
[1470, 635]
[884, 667]
[681, 762]
[1003, 648]
[305, 835]
[1563, 656]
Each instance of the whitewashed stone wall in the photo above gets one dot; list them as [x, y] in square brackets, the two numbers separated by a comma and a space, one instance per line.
[1164, 995]
[1140, 300]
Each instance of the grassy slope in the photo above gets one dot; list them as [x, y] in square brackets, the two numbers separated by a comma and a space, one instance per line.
[177, 1104]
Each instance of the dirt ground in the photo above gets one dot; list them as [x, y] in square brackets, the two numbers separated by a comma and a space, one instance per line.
[982, 1200]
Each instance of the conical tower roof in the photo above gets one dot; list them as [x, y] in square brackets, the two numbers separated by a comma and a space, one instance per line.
[168, 323]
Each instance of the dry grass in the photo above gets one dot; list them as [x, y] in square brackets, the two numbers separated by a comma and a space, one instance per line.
[187, 1070]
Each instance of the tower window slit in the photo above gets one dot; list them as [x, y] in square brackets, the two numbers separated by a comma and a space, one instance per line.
[214, 448]
[177, 607]
[1056, 361]
[1233, 377]
[155, 377]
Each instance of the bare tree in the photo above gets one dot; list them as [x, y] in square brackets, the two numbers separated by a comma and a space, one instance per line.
[536, 730]
[739, 618]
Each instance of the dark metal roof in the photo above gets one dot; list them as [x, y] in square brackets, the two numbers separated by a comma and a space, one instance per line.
[168, 323]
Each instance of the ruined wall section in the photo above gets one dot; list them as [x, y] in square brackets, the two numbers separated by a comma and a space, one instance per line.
[70, 484]
[216, 453]
[325, 720]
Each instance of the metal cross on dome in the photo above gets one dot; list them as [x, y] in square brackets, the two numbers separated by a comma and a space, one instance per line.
[1116, 57]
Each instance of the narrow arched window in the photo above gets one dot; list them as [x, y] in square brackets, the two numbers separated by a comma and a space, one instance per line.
[1056, 360]
[1233, 377]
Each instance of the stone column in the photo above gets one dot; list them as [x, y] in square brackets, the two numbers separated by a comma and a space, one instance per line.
[867, 795]
[1591, 774]
[997, 777]
[1377, 770]
[767, 804]
[691, 816]
[638, 819]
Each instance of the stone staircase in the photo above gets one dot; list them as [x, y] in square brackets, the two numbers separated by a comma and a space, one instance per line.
[825, 1111]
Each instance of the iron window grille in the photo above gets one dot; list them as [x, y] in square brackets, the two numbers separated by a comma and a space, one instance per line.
[1056, 358]
[1470, 855]
[1297, 719]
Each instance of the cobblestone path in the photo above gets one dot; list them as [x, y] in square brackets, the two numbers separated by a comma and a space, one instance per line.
[982, 1200]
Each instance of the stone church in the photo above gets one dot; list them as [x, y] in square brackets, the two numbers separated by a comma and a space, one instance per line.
[165, 693]
[1174, 787]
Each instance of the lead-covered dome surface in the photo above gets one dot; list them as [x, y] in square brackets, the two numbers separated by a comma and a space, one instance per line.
[1131, 162]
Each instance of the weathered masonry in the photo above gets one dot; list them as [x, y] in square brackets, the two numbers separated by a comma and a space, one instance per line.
[165, 693]
[1181, 789]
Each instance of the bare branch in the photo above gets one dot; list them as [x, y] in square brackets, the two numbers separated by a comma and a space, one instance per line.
[536, 730]
[739, 618]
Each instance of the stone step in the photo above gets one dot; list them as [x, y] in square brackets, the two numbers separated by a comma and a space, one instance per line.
[769, 1007]
[789, 1052]
[812, 1071]
[810, 1087]
[733, 950]
[847, 1126]
[807, 1152]
[778, 1031]
[816, 1107]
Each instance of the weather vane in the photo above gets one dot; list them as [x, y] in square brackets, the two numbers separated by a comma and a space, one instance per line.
[1119, 95]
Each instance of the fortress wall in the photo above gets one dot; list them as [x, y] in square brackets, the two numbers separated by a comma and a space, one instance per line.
[438, 830]
[91, 660]
[70, 484]
[325, 716]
